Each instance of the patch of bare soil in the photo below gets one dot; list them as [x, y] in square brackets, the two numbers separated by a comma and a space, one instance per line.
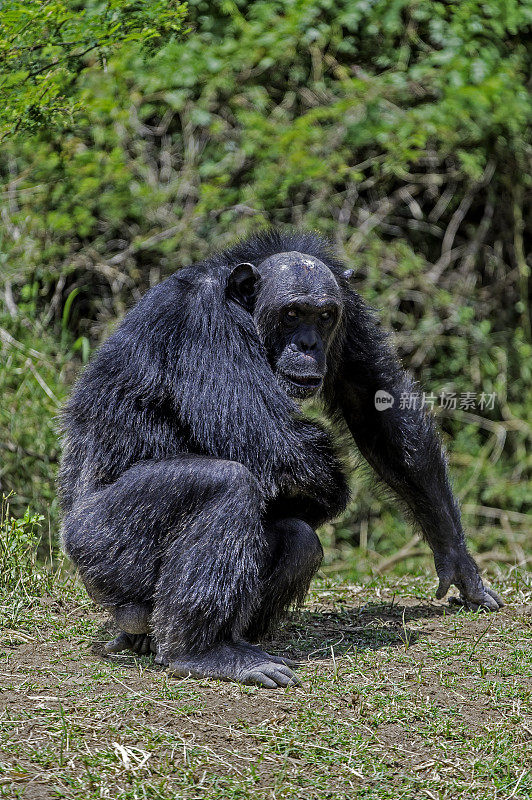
[61, 693]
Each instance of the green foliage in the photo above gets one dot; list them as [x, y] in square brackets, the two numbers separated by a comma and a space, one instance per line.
[34, 369]
[401, 129]
[19, 539]
[44, 46]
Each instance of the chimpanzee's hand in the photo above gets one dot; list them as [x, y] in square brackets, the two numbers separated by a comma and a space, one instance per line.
[458, 567]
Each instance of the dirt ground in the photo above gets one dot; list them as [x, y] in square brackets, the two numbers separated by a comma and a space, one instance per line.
[387, 679]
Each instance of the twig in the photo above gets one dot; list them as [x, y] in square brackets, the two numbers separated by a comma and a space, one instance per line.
[42, 383]
[497, 513]
[60, 285]
[19, 450]
[9, 301]
[443, 262]
[465, 204]
[405, 551]
[8, 339]
[443, 202]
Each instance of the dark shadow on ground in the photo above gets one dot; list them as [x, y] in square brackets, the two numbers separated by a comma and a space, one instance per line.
[393, 610]
[310, 635]
[314, 635]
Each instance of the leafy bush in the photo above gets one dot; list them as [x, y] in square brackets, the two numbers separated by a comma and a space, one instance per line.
[33, 372]
[401, 129]
[19, 539]
[44, 47]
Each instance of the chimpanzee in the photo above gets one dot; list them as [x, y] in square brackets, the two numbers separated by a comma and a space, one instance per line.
[192, 483]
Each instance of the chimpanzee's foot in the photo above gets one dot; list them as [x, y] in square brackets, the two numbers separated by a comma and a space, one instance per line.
[133, 620]
[140, 643]
[235, 661]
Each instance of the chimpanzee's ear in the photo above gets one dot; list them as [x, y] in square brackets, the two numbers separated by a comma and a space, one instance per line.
[242, 285]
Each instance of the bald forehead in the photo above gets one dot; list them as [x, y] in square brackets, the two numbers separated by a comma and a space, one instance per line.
[299, 273]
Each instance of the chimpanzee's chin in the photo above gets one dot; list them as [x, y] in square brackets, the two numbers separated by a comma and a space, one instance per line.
[299, 387]
[297, 393]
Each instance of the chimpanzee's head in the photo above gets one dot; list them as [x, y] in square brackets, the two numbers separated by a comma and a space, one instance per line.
[297, 306]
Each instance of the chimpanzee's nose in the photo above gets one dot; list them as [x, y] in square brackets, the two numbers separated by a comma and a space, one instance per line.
[307, 340]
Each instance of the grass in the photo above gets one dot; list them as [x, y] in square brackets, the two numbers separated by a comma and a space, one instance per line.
[402, 697]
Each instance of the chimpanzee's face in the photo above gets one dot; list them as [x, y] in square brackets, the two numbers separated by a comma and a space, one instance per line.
[298, 309]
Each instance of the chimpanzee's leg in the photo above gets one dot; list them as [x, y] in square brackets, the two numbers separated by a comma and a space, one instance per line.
[296, 555]
[182, 537]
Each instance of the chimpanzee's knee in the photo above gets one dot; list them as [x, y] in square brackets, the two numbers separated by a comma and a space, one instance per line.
[301, 546]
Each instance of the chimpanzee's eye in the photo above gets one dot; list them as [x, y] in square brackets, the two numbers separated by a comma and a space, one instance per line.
[291, 314]
[326, 316]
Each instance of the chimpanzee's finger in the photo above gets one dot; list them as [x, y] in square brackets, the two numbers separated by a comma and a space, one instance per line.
[486, 603]
[289, 662]
[498, 600]
[122, 642]
[489, 602]
[443, 587]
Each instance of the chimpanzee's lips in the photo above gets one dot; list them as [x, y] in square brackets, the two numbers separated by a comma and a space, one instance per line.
[308, 382]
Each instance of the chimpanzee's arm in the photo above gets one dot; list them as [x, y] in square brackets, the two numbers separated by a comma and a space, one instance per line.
[402, 446]
[313, 486]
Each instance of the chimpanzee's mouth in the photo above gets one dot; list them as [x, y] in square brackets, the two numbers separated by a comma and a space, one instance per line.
[307, 383]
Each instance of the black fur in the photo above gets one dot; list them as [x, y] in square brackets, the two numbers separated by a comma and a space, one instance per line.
[191, 483]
